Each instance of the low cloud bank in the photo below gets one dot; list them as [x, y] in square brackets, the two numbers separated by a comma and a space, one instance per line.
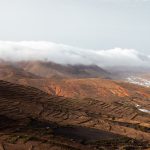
[64, 54]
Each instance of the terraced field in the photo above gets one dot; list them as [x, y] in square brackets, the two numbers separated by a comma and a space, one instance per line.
[33, 119]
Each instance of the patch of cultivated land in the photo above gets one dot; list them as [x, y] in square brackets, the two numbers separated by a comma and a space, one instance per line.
[33, 119]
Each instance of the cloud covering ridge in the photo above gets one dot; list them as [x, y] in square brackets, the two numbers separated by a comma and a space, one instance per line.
[64, 54]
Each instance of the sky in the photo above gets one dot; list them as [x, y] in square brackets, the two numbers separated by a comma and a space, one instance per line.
[97, 25]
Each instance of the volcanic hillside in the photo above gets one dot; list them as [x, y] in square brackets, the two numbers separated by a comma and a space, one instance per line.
[32, 119]
[96, 88]
[50, 69]
[9, 71]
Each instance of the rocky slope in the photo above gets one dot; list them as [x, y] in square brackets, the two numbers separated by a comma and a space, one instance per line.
[32, 119]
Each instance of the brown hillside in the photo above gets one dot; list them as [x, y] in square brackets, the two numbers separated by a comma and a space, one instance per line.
[50, 69]
[11, 72]
[29, 112]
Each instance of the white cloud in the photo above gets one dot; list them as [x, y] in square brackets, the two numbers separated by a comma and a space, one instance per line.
[64, 54]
